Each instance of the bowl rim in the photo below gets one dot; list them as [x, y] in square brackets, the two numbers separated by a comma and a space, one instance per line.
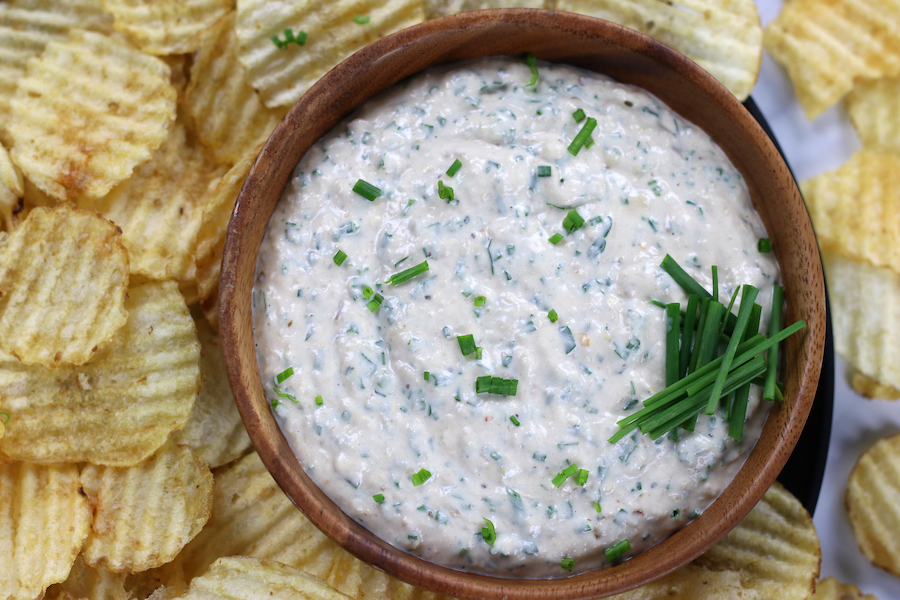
[336, 88]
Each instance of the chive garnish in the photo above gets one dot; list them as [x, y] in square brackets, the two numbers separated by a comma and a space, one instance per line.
[444, 192]
[285, 394]
[597, 507]
[552, 316]
[618, 550]
[421, 477]
[284, 374]
[582, 477]
[544, 171]
[579, 115]
[687, 335]
[514, 420]
[555, 238]
[496, 385]
[489, 534]
[479, 301]
[572, 221]
[567, 563]
[361, 19]
[478, 352]
[368, 292]
[319, 401]
[772, 354]
[340, 257]
[379, 498]
[673, 361]
[289, 39]
[274, 402]
[454, 168]
[466, 344]
[764, 245]
[748, 296]
[375, 303]
[427, 375]
[407, 274]
[687, 283]
[582, 136]
[589, 143]
[564, 474]
[366, 190]
[715, 283]
[531, 61]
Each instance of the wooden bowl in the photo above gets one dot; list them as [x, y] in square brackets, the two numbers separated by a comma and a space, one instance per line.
[584, 42]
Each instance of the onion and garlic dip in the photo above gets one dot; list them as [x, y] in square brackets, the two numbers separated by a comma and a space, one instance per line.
[457, 299]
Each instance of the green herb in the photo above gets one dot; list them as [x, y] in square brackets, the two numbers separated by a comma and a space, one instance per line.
[572, 221]
[444, 192]
[478, 352]
[289, 39]
[496, 385]
[556, 238]
[582, 136]
[568, 338]
[407, 274]
[375, 303]
[361, 19]
[319, 401]
[715, 283]
[479, 301]
[748, 296]
[514, 420]
[488, 534]
[427, 375]
[466, 344]
[368, 292]
[567, 563]
[531, 61]
[552, 316]
[274, 403]
[618, 550]
[284, 374]
[564, 474]
[579, 115]
[339, 258]
[673, 318]
[454, 168]
[285, 394]
[379, 498]
[687, 334]
[543, 171]
[589, 143]
[421, 477]
[772, 355]
[597, 507]
[582, 476]
[366, 190]
[764, 245]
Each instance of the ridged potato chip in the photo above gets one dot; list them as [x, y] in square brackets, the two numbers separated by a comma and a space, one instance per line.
[831, 589]
[43, 523]
[864, 385]
[215, 430]
[871, 501]
[63, 281]
[442, 8]
[866, 333]
[328, 32]
[722, 36]
[87, 112]
[145, 514]
[12, 188]
[856, 209]
[226, 113]
[165, 26]
[121, 406]
[160, 207]
[829, 45]
[87, 583]
[242, 577]
[874, 109]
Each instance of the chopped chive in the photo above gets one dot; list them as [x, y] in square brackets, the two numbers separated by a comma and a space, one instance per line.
[673, 316]
[552, 316]
[366, 190]
[555, 238]
[618, 550]
[572, 221]
[514, 420]
[544, 171]
[479, 301]
[289, 39]
[478, 351]
[496, 385]
[454, 168]
[284, 374]
[764, 245]
[421, 477]
[582, 136]
[597, 507]
[488, 534]
[379, 498]
[361, 19]
[772, 354]
[466, 344]
[582, 476]
[340, 257]
[400, 262]
[568, 338]
[579, 115]
[319, 401]
[589, 143]
[445, 192]
[368, 292]
[427, 375]
[567, 563]
[531, 61]
[564, 474]
[285, 395]
[375, 303]
[407, 274]
[274, 402]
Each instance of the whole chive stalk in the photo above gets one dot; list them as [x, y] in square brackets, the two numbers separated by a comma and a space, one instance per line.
[407, 274]
[687, 334]
[715, 283]
[772, 355]
[748, 297]
[673, 316]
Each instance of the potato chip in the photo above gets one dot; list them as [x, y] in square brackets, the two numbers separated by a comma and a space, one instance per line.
[87, 583]
[866, 332]
[145, 514]
[856, 209]
[12, 188]
[43, 522]
[864, 385]
[165, 26]
[442, 8]
[121, 406]
[160, 207]
[242, 577]
[874, 109]
[323, 34]
[722, 36]
[63, 280]
[832, 589]
[180, 72]
[871, 501]
[225, 112]
[87, 112]
[215, 430]
[828, 45]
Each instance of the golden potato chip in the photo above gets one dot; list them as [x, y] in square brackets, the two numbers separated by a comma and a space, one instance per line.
[43, 523]
[866, 333]
[145, 514]
[225, 112]
[832, 589]
[856, 209]
[165, 26]
[442, 8]
[63, 280]
[242, 577]
[722, 36]
[828, 45]
[12, 188]
[87, 583]
[160, 207]
[121, 406]
[871, 501]
[321, 34]
[874, 109]
[87, 112]
[215, 430]
[864, 385]
[180, 72]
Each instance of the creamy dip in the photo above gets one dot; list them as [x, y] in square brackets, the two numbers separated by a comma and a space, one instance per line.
[422, 460]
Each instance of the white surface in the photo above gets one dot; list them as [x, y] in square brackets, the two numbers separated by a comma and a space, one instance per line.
[812, 147]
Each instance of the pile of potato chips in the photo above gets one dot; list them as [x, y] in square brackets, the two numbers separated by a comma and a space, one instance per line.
[127, 128]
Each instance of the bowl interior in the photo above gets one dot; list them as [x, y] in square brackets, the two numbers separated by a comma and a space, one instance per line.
[584, 42]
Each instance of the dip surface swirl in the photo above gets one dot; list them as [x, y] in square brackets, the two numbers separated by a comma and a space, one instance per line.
[650, 185]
